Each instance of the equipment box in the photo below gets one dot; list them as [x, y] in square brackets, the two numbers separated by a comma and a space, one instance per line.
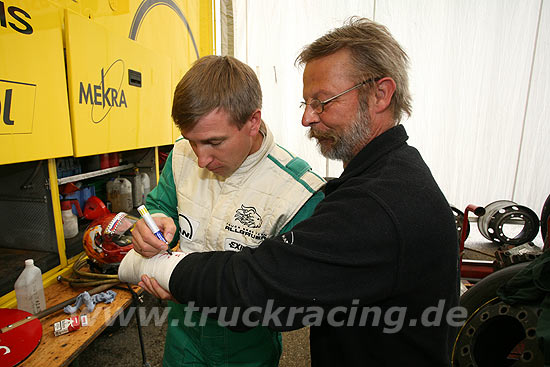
[112, 81]
[34, 112]
[82, 82]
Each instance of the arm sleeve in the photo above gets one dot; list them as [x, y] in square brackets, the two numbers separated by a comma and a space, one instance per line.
[163, 198]
[305, 211]
[346, 250]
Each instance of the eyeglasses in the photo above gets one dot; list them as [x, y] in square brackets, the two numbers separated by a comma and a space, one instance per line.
[319, 106]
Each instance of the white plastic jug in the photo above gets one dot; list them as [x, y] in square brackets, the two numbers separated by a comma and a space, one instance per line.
[70, 224]
[121, 196]
[146, 183]
[29, 289]
[70, 221]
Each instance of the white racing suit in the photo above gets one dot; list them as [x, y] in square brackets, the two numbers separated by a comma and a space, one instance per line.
[268, 194]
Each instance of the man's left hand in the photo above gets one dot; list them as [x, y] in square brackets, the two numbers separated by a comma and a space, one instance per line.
[152, 286]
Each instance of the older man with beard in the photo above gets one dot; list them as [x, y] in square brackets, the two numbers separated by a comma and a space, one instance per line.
[374, 270]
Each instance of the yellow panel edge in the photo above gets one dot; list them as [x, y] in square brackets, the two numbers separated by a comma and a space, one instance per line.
[58, 220]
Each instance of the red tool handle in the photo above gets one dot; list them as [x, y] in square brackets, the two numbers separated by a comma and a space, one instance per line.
[477, 210]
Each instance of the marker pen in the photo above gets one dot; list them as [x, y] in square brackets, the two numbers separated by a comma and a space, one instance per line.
[152, 225]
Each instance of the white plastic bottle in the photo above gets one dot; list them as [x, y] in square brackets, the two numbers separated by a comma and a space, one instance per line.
[126, 195]
[29, 289]
[146, 183]
[121, 195]
[112, 194]
[70, 221]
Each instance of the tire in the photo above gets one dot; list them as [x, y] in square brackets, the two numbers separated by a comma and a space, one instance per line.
[488, 337]
[486, 289]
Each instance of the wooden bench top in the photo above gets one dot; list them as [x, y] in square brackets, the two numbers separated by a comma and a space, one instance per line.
[62, 350]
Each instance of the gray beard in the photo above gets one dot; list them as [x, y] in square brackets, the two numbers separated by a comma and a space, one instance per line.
[351, 140]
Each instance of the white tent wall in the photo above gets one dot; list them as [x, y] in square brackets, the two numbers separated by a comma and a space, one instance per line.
[480, 79]
[533, 174]
[268, 37]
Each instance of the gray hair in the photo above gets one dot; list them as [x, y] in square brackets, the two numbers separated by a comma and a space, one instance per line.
[375, 54]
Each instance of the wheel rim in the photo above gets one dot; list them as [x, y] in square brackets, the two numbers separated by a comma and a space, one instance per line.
[498, 334]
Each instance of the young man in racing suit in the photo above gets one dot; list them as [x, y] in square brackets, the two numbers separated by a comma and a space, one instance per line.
[226, 185]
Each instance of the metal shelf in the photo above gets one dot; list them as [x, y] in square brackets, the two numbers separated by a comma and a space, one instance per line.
[84, 176]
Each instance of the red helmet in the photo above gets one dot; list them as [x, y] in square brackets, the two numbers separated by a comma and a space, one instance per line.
[108, 239]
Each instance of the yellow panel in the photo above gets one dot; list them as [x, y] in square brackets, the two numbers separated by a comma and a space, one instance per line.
[180, 29]
[206, 41]
[34, 113]
[95, 8]
[21, 112]
[107, 113]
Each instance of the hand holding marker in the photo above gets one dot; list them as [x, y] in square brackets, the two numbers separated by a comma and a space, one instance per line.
[152, 225]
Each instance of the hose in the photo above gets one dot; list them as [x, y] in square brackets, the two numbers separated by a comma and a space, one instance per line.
[85, 278]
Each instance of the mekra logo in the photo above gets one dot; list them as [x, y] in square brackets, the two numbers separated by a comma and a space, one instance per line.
[107, 94]
[248, 216]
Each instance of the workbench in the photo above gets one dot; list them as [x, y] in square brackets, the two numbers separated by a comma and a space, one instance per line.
[62, 350]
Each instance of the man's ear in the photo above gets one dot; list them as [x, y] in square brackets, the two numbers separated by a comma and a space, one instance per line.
[383, 93]
[255, 122]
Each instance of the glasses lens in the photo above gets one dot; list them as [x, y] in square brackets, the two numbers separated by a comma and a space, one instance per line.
[316, 105]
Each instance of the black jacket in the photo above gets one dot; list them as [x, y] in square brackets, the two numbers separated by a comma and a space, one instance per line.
[378, 260]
